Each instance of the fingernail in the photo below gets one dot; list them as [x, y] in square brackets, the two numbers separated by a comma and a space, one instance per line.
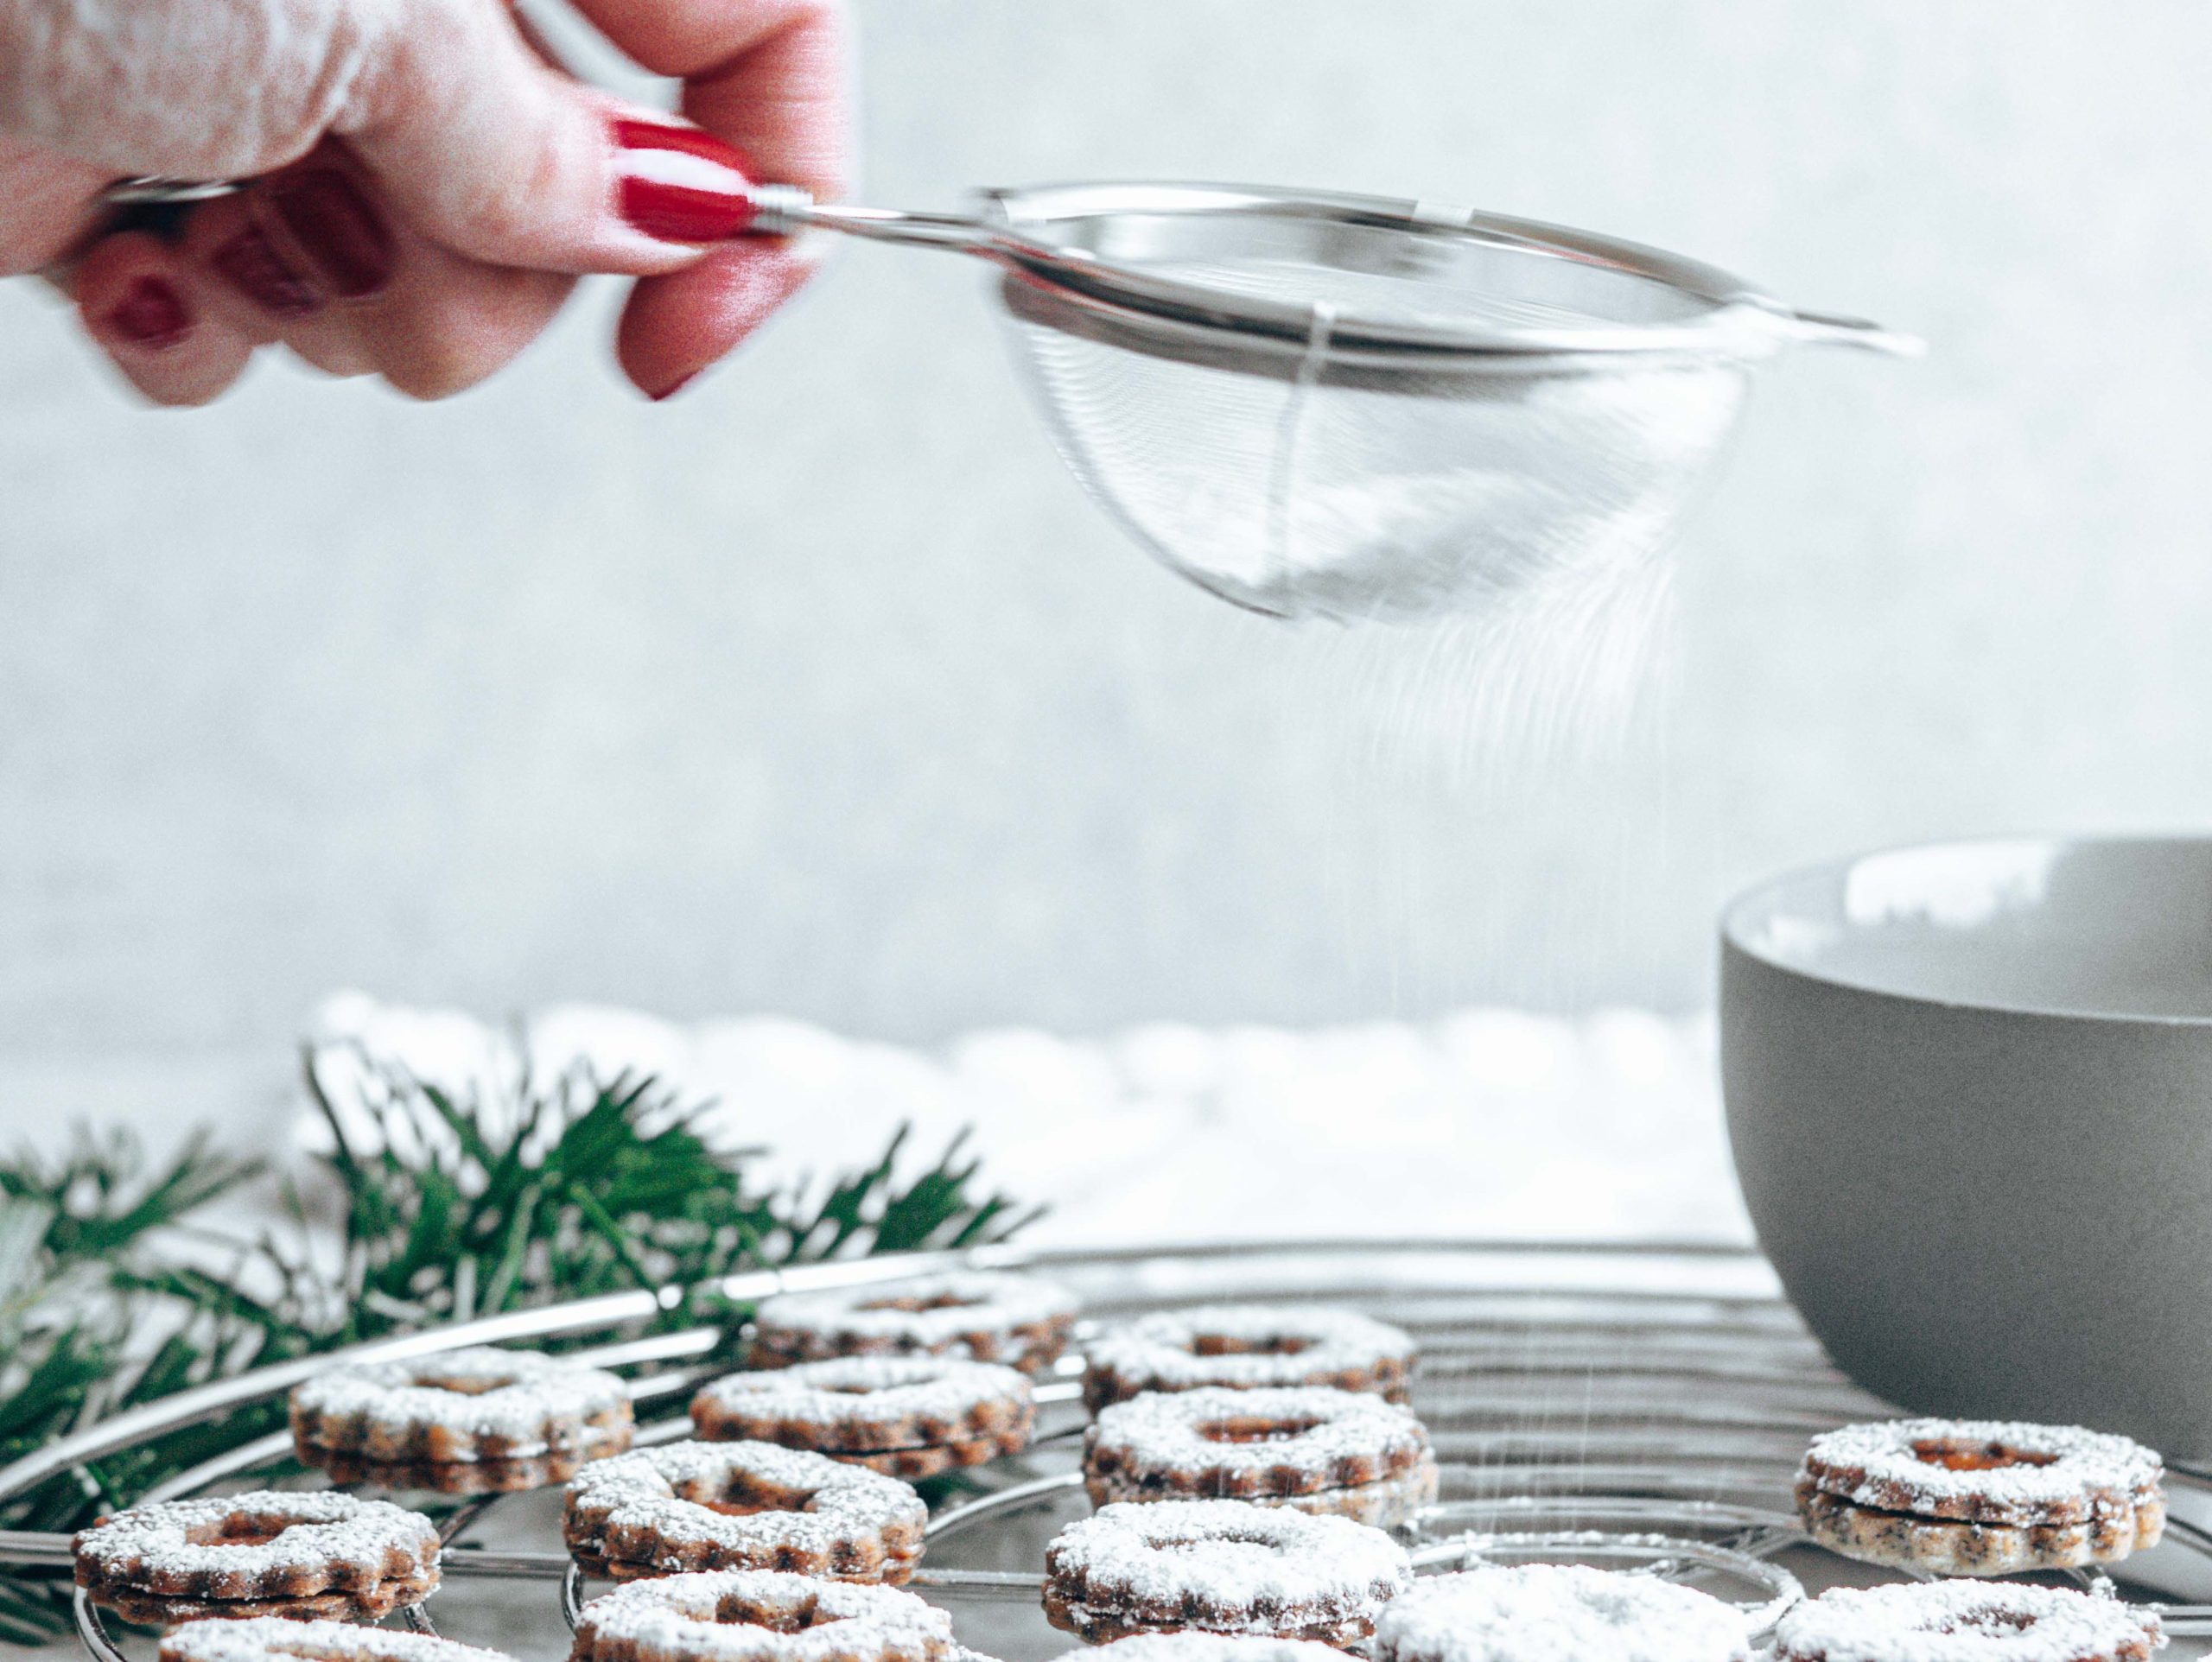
[681, 185]
[257, 270]
[337, 228]
[151, 315]
[675, 387]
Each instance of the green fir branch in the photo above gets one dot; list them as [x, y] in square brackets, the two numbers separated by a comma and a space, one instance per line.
[114, 1292]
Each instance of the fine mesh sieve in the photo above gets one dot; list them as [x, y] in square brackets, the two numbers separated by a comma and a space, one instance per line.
[1347, 406]
[1350, 406]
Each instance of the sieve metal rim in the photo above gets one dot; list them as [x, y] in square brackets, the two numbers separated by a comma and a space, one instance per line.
[1079, 292]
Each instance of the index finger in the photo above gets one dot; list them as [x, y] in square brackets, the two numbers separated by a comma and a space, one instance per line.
[769, 76]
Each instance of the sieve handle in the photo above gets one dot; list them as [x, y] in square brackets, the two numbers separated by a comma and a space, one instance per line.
[773, 211]
[785, 209]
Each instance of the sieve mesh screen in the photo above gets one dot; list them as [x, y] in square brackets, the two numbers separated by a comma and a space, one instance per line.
[1320, 498]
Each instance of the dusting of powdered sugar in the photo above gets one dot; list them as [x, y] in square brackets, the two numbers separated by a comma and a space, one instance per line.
[1965, 1622]
[271, 1639]
[1164, 1346]
[950, 1308]
[1230, 1556]
[668, 1490]
[1878, 1464]
[1558, 1613]
[864, 1391]
[511, 1395]
[683, 1616]
[1192, 1645]
[1165, 1432]
[320, 1528]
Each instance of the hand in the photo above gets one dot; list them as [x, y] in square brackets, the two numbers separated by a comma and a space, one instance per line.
[425, 185]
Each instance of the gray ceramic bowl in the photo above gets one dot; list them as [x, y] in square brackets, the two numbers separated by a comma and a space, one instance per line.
[1969, 1089]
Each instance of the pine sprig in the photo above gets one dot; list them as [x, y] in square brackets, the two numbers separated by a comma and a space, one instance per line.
[449, 1208]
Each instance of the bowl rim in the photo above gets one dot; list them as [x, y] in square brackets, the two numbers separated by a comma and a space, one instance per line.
[1735, 912]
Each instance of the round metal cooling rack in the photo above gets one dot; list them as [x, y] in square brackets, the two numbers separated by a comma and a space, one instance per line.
[1638, 1407]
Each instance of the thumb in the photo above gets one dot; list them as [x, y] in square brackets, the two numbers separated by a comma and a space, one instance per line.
[486, 150]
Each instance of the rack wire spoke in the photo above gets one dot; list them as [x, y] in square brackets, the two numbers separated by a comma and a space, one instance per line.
[1578, 1408]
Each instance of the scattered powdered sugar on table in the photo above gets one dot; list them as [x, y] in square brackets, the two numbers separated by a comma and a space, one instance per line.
[683, 1616]
[1964, 1622]
[509, 1394]
[259, 1639]
[1558, 1613]
[1165, 1431]
[321, 1527]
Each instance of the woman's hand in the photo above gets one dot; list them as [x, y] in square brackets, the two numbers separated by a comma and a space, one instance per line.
[426, 186]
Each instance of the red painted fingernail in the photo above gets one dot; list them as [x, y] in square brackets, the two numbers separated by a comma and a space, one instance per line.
[675, 386]
[257, 270]
[151, 315]
[680, 185]
[337, 228]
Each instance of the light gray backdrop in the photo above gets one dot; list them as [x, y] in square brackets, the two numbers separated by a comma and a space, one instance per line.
[823, 690]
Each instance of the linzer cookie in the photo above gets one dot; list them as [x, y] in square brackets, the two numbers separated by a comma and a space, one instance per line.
[1022, 1321]
[1247, 1347]
[1560, 1613]
[1221, 1567]
[741, 1506]
[1980, 1497]
[475, 1421]
[459, 1477]
[1310, 1447]
[272, 1639]
[1965, 1621]
[271, 1552]
[909, 1417]
[760, 1616]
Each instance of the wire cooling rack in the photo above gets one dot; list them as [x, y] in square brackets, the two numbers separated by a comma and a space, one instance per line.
[1637, 1406]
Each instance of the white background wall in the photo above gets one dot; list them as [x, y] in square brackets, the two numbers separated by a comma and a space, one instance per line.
[822, 689]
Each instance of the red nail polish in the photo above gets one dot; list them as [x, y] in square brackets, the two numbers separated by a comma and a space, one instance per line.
[337, 228]
[675, 387]
[151, 315]
[257, 270]
[681, 185]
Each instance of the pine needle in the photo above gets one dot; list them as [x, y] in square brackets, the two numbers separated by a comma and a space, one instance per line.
[452, 1209]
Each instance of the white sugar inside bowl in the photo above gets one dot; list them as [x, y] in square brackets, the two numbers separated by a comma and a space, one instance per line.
[1969, 1096]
